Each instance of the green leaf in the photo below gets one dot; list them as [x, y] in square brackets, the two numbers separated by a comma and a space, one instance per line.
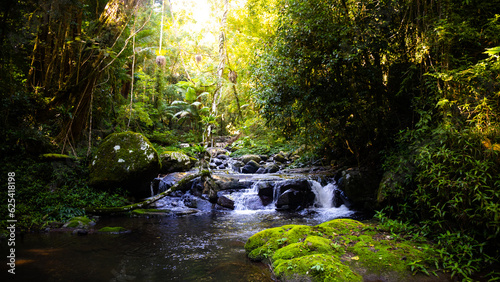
[492, 51]
[190, 94]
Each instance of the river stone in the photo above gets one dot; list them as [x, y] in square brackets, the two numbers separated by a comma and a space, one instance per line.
[251, 167]
[293, 200]
[265, 192]
[237, 165]
[272, 168]
[246, 158]
[280, 157]
[175, 162]
[126, 160]
[226, 202]
[294, 194]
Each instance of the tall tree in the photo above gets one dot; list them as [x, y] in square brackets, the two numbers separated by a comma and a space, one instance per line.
[73, 47]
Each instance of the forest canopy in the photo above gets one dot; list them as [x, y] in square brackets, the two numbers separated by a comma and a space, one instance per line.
[410, 89]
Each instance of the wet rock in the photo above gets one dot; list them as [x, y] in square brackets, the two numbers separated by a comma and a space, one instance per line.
[228, 183]
[218, 162]
[272, 168]
[80, 222]
[294, 195]
[293, 200]
[237, 165]
[175, 162]
[223, 156]
[80, 232]
[226, 202]
[126, 160]
[280, 157]
[114, 230]
[246, 158]
[266, 192]
[250, 167]
[190, 201]
[214, 151]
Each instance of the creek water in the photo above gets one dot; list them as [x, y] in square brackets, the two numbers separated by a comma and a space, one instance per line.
[204, 246]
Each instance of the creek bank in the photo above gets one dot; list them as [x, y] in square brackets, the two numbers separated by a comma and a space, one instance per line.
[339, 250]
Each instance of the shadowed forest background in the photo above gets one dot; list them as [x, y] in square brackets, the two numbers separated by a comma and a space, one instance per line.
[409, 89]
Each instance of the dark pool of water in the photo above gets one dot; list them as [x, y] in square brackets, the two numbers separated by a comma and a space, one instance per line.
[207, 246]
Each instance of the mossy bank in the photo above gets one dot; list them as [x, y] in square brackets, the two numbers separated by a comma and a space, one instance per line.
[339, 250]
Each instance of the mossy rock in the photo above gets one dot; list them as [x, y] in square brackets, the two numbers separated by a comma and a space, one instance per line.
[246, 158]
[337, 250]
[126, 160]
[315, 267]
[56, 157]
[144, 212]
[263, 244]
[114, 230]
[172, 161]
[80, 222]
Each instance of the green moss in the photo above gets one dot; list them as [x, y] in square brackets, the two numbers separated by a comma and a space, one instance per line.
[264, 243]
[78, 222]
[319, 267]
[124, 159]
[311, 245]
[341, 226]
[383, 256]
[55, 157]
[149, 212]
[338, 250]
[109, 229]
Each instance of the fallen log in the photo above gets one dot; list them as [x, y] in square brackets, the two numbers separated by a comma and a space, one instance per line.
[143, 204]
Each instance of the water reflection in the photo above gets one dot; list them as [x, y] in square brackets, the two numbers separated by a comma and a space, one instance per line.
[207, 246]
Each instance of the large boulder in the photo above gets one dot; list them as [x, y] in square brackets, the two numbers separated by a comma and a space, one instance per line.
[294, 194]
[126, 160]
[280, 157]
[246, 158]
[175, 162]
[251, 167]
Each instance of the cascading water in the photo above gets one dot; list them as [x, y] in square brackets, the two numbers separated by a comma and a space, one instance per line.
[250, 200]
[324, 194]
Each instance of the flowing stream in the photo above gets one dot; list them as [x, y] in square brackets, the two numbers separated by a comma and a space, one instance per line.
[203, 246]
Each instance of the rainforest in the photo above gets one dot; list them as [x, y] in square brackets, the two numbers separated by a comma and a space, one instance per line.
[250, 140]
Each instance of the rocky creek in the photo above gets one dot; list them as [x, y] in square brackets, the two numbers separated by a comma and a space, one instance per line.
[193, 239]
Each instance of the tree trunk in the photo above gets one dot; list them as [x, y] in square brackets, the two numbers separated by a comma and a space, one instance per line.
[65, 66]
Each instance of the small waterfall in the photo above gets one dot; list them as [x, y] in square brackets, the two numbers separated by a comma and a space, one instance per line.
[264, 195]
[324, 194]
[249, 199]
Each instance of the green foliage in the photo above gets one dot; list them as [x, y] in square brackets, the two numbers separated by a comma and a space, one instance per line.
[53, 191]
[447, 172]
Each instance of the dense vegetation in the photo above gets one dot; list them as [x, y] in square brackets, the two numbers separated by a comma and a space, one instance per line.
[408, 88]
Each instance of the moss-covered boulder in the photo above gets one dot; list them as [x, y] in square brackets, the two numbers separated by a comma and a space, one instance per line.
[337, 250]
[246, 158]
[175, 162]
[79, 222]
[126, 160]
